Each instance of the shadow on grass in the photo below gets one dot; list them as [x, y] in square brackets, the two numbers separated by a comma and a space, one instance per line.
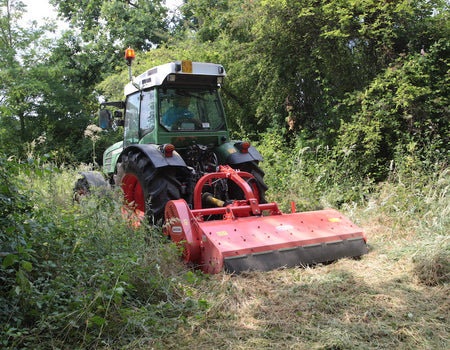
[345, 305]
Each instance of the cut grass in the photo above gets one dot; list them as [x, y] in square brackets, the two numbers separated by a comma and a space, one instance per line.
[373, 303]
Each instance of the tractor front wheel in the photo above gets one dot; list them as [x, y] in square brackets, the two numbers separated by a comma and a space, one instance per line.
[146, 189]
[90, 182]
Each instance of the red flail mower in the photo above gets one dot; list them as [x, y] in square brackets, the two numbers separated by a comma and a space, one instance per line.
[246, 235]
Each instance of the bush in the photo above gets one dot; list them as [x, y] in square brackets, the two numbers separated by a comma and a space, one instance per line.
[79, 274]
[312, 175]
[404, 111]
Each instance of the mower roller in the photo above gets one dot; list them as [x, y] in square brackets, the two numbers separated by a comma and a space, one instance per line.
[246, 235]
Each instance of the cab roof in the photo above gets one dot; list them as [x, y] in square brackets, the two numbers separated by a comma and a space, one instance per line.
[184, 73]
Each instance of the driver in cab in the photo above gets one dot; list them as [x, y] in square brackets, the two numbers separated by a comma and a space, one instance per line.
[178, 112]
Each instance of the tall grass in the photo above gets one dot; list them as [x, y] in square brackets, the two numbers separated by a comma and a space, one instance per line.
[78, 276]
[415, 211]
[313, 176]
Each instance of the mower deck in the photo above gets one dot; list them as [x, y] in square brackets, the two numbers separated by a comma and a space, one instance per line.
[253, 236]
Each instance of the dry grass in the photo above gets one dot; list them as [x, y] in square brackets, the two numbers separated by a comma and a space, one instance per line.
[396, 297]
[367, 304]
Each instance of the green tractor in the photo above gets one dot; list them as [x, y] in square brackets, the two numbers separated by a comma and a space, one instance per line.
[175, 132]
[177, 164]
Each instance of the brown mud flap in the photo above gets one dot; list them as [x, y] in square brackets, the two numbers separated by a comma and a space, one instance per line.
[296, 256]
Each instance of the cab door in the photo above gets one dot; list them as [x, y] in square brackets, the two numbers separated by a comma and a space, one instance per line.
[131, 127]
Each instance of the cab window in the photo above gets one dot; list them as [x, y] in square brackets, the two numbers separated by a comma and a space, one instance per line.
[190, 109]
[148, 112]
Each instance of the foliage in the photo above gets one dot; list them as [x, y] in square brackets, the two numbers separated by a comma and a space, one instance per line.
[404, 110]
[16, 41]
[301, 57]
[21, 50]
[140, 23]
[79, 275]
[44, 95]
[211, 18]
[311, 175]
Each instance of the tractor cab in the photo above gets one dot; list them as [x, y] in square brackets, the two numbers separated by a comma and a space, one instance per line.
[174, 103]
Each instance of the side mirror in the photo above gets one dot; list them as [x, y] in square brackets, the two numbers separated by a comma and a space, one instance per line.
[104, 118]
[118, 116]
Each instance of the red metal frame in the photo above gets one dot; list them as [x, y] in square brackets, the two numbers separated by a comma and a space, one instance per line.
[225, 171]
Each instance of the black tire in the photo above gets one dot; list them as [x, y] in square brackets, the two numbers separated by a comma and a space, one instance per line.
[91, 182]
[145, 187]
[81, 189]
[258, 173]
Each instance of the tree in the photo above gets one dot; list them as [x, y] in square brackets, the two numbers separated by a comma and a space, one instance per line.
[403, 113]
[294, 61]
[137, 23]
[46, 90]
[310, 54]
[22, 49]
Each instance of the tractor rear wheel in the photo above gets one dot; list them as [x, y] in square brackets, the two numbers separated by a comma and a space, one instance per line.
[258, 173]
[147, 189]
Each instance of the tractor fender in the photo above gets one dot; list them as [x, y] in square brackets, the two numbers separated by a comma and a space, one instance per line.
[228, 153]
[155, 155]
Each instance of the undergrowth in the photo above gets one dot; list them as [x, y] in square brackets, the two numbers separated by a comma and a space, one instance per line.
[79, 276]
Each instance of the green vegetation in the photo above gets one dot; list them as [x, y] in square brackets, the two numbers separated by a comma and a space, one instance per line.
[78, 275]
[348, 102]
[81, 274]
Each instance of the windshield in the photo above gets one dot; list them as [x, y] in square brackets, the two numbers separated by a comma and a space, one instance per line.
[190, 109]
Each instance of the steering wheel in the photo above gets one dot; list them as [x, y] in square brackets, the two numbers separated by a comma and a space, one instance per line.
[177, 124]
